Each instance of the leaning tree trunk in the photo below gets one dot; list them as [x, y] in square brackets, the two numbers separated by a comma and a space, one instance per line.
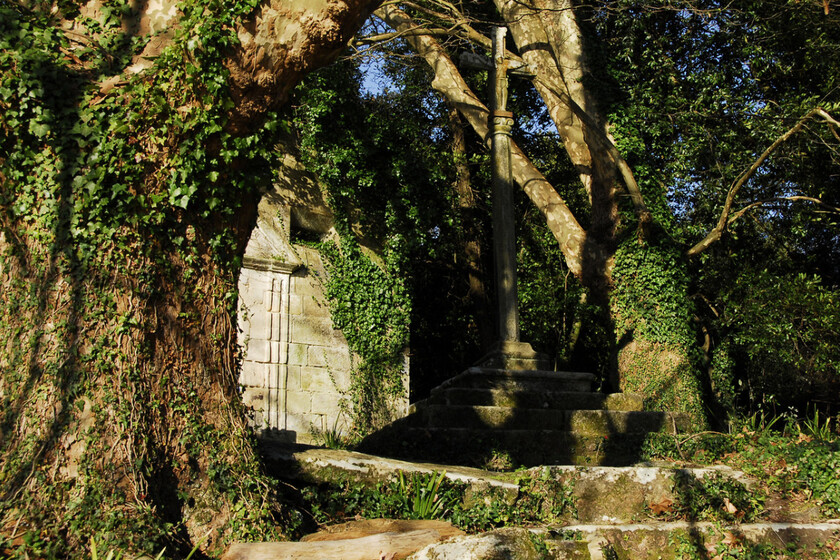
[642, 281]
[125, 204]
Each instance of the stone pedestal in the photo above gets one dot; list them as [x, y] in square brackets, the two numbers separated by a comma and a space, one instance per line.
[514, 355]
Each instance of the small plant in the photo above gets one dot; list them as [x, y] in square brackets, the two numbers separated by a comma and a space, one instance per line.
[759, 422]
[609, 552]
[332, 438]
[716, 497]
[817, 428]
[94, 552]
[427, 502]
[499, 460]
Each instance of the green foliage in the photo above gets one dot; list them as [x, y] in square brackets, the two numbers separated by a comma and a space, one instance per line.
[433, 496]
[653, 313]
[114, 205]
[819, 427]
[792, 465]
[698, 91]
[716, 497]
[422, 492]
[371, 307]
[651, 294]
[782, 332]
[552, 312]
[75, 160]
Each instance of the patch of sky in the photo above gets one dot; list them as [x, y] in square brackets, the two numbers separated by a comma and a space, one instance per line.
[375, 81]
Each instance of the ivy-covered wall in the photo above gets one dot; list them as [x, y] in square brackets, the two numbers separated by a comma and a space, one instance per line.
[323, 348]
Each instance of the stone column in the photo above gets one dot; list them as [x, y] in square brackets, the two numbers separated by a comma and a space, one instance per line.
[509, 352]
[504, 236]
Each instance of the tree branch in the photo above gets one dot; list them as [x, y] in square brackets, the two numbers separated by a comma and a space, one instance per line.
[449, 82]
[829, 209]
[723, 221]
[605, 143]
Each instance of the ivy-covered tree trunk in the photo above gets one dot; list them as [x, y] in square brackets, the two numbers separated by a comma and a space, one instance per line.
[134, 147]
[641, 280]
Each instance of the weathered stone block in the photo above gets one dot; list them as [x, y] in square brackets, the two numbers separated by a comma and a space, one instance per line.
[276, 332]
[300, 423]
[252, 374]
[298, 402]
[334, 358]
[258, 351]
[314, 330]
[260, 325]
[274, 376]
[295, 304]
[328, 404]
[276, 297]
[277, 352]
[255, 398]
[298, 354]
[293, 378]
[307, 286]
[316, 380]
[315, 307]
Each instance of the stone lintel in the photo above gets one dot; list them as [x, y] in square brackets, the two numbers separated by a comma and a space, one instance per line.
[514, 355]
[266, 265]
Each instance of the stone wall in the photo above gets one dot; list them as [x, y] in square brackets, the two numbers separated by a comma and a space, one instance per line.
[296, 368]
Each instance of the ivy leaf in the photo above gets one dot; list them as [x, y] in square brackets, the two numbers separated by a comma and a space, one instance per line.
[39, 129]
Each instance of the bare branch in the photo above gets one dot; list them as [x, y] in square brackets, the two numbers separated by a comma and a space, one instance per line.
[828, 208]
[723, 221]
[387, 37]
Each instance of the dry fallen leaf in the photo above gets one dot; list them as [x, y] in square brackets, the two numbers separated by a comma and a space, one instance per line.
[730, 539]
[665, 506]
[729, 506]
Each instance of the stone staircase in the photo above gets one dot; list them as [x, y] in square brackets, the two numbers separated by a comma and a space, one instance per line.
[625, 513]
[522, 417]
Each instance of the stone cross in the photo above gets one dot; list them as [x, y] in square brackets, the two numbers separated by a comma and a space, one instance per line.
[509, 352]
[504, 237]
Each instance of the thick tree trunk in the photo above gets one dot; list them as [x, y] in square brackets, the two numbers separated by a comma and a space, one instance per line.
[471, 240]
[549, 38]
[120, 418]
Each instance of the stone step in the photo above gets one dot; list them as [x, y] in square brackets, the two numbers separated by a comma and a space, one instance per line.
[597, 423]
[680, 540]
[558, 400]
[481, 447]
[598, 495]
[522, 380]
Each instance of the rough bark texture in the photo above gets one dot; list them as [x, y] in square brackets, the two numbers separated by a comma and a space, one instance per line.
[120, 411]
[549, 38]
[284, 41]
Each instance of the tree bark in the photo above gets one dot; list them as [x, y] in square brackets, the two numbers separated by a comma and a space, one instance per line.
[550, 40]
[449, 82]
[471, 241]
[118, 369]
